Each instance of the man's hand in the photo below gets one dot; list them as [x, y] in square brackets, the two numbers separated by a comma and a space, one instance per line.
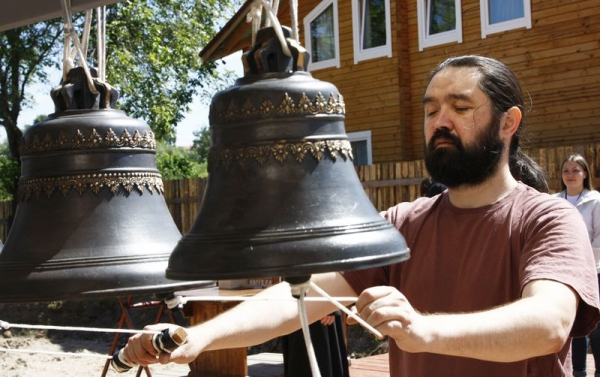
[140, 351]
[328, 320]
[388, 310]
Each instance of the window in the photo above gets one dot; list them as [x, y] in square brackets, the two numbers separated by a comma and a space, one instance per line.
[361, 147]
[440, 22]
[372, 29]
[321, 36]
[502, 15]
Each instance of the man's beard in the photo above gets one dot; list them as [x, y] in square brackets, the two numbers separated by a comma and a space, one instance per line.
[459, 165]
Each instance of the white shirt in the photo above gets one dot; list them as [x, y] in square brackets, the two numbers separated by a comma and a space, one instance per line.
[588, 204]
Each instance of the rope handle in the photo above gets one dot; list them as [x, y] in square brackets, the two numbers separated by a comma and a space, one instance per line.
[80, 47]
[166, 341]
[271, 7]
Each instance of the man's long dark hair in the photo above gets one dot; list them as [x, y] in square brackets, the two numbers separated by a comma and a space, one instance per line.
[502, 87]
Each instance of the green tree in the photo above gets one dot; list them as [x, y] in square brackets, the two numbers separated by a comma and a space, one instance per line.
[178, 163]
[153, 57]
[39, 118]
[201, 144]
[9, 174]
[25, 53]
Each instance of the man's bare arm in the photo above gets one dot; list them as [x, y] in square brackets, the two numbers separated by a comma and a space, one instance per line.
[537, 324]
[249, 323]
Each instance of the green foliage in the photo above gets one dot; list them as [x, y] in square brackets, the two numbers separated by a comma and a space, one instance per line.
[153, 57]
[201, 144]
[40, 118]
[9, 174]
[178, 163]
[25, 52]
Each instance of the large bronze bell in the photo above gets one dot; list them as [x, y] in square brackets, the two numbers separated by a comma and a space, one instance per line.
[91, 220]
[283, 197]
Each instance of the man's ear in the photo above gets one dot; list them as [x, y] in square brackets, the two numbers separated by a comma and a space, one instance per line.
[512, 120]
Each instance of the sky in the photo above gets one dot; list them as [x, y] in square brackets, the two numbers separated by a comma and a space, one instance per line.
[197, 116]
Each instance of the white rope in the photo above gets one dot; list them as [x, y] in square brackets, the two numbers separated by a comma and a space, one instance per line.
[55, 353]
[68, 63]
[101, 41]
[361, 321]
[268, 20]
[312, 359]
[85, 37]
[275, 6]
[173, 302]
[294, 16]
[277, 27]
[66, 7]
[6, 325]
[254, 16]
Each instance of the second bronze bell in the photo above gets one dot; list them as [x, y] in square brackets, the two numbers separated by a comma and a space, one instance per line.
[91, 220]
[283, 197]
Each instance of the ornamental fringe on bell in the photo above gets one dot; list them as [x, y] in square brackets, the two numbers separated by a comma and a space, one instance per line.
[91, 219]
[283, 198]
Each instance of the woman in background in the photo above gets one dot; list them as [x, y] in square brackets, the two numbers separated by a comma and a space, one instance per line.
[577, 189]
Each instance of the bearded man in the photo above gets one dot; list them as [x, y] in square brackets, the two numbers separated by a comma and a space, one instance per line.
[500, 275]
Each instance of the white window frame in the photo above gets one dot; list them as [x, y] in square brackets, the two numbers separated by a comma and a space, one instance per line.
[363, 136]
[487, 29]
[335, 62]
[361, 54]
[425, 40]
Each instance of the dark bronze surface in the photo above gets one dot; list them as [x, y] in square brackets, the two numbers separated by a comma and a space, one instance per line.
[91, 220]
[283, 197]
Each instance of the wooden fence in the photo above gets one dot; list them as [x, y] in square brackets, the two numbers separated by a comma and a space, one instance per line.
[385, 184]
[183, 199]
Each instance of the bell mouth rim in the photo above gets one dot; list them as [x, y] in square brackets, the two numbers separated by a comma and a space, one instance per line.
[160, 288]
[291, 270]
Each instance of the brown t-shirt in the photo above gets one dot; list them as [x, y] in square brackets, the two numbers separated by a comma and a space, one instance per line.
[465, 260]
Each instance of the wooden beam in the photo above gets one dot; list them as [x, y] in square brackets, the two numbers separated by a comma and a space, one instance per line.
[25, 12]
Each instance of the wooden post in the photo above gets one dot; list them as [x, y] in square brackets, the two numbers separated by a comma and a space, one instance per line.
[222, 363]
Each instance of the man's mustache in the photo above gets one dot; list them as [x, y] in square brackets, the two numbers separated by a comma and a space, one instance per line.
[443, 133]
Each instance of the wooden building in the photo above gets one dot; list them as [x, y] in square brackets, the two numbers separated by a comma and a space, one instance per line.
[379, 54]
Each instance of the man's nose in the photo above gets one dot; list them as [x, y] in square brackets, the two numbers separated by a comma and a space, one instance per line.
[443, 120]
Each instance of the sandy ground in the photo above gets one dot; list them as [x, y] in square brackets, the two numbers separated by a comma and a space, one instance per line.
[13, 364]
[101, 313]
